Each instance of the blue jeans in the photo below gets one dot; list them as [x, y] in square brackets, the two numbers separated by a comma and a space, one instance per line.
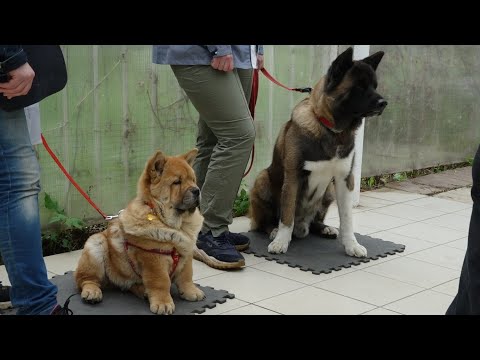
[20, 235]
[467, 300]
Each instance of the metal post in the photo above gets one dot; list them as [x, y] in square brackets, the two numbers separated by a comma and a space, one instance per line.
[359, 52]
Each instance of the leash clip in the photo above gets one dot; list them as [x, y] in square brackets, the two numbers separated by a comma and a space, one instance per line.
[304, 90]
[111, 217]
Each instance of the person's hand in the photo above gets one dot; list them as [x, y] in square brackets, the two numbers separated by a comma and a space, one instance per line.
[223, 63]
[20, 82]
[260, 62]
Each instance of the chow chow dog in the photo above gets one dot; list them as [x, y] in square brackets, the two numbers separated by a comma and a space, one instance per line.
[151, 243]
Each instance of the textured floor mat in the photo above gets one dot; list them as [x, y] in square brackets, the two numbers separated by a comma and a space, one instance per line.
[116, 302]
[320, 255]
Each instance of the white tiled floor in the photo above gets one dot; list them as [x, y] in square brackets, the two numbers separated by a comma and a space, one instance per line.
[422, 280]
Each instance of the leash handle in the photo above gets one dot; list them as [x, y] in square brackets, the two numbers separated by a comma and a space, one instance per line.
[54, 157]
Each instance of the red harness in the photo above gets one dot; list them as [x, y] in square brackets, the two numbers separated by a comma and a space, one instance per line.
[175, 256]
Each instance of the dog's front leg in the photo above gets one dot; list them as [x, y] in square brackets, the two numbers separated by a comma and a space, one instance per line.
[288, 201]
[156, 279]
[184, 280]
[344, 193]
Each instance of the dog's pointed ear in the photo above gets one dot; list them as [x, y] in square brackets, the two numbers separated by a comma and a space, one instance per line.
[190, 156]
[151, 174]
[338, 69]
[156, 164]
[374, 59]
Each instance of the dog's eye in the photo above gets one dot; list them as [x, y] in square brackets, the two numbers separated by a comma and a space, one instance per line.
[177, 182]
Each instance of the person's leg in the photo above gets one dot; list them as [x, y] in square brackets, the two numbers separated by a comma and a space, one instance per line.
[206, 141]
[467, 300]
[220, 99]
[20, 234]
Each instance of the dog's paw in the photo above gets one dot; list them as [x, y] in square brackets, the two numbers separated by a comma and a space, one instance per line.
[273, 234]
[162, 308]
[301, 230]
[355, 249]
[91, 294]
[193, 294]
[330, 231]
[280, 244]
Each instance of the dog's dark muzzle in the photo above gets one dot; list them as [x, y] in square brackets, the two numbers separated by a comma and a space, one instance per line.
[379, 106]
[191, 199]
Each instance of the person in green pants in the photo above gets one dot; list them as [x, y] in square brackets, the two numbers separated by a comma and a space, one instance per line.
[218, 81]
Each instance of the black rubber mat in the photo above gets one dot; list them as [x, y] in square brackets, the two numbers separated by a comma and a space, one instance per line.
[320, 255]
[116, 302]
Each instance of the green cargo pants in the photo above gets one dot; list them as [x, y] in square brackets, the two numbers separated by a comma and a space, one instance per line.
[225, 136]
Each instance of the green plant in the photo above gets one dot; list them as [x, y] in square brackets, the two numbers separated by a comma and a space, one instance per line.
[60, 238]
[469, 161]
[240, 206]
[59, 216]
[400, 176]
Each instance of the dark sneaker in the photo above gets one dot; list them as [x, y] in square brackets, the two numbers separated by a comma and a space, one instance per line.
[218, 252]
[241, 242]
[63, 310]
[5, 297]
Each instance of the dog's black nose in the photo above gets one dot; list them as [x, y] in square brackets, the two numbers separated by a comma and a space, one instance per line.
[195, 191]
[381, 103]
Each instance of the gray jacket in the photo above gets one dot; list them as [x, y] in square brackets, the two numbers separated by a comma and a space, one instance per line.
[203, 54]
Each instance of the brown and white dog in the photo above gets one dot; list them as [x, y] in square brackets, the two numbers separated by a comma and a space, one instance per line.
[151, 243]
[315, 152]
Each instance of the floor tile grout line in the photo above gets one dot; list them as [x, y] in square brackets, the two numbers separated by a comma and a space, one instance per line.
[332, 292]
[248, 304]
[398, 312]
[431, 288]
[390, 278]
[410, 223]
[279, 313]
[298, 269]
[406, 201]
[406, 282]
[403, 218]
[425, 290]
[382, 308]
[431, 263]
[274, 296]
[346, 296]
[415, 222]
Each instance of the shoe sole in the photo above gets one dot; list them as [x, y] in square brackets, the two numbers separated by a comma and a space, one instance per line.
[202, 256]
[5, 305]
[242, 247]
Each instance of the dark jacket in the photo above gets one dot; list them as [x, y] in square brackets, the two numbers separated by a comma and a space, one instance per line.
[11, 57]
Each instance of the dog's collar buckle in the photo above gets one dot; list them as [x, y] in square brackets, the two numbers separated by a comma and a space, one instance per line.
[153, 215]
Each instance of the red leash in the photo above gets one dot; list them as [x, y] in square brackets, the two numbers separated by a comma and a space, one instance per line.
[272, 79]
[252, 104]
[253, 101]
[54, 157]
